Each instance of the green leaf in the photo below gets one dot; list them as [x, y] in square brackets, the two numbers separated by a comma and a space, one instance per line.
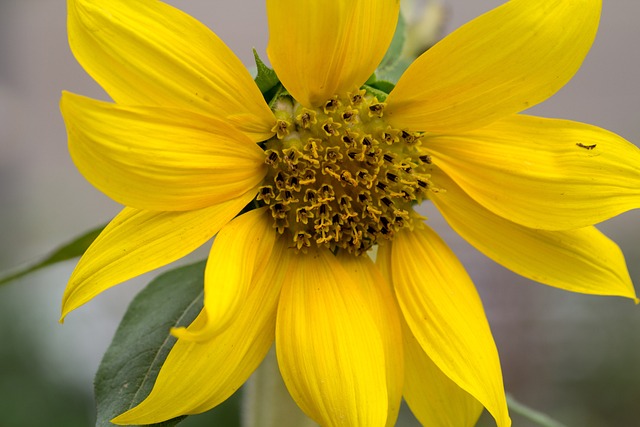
[142, 342]
[393, 65]
[70, 250]
[266, 78]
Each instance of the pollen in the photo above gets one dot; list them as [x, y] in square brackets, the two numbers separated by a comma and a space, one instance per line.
[339, 176]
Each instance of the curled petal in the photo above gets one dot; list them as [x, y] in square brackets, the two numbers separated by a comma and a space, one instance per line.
[200, 375]
[501, 63]
[238, 255]
[159, 159]
[149, 53]
[543, 173]
[323, 48]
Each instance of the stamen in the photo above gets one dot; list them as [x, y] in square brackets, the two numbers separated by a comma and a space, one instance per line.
[332, 105]
[281, 128]
[306, 118]
[425, 159]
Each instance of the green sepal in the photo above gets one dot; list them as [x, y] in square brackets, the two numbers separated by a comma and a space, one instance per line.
[393, 73]
[142, 342]
[70, 250]
[393, 64]
[277, 93]
[266, 79]
[381, 95]
[383, 85]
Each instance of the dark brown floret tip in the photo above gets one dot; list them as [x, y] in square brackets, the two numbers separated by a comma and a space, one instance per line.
[340, 177]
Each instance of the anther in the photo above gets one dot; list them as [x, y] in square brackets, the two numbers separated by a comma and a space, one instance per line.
[376, 110]
[331, 105]
[387, 201]
[345, 201]
[279, 210]
[373, 212]
[364, 198]
[287, 197]
[281, 128]
[265, 193]
[280, 180]
[326, 193]
[332, 154]
[406, 195]
[303, 215]
[349, 115]
[357, 98]
[302, 240]
[346, 177]
[310, 196]
[323, 212]
[293, 183]
[422, 183]
[425, 159]
[371, 229]
[388, 157]
[308, 177]
[306, 118]
[312, 146]
[332, 170]
[392, 177]
[291, 155]
[381, 185]
[390, 137]
[272, 158]
[405, 167]
[408, 138]
[331, 128]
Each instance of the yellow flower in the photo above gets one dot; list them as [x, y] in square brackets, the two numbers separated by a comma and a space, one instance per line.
[332, 172]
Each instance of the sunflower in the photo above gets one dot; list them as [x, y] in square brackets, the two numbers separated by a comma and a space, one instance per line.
[300, 191]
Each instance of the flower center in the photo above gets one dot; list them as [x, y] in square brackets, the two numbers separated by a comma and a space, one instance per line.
[340, 176]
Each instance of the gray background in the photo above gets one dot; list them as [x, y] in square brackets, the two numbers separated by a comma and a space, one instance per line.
[573, 356]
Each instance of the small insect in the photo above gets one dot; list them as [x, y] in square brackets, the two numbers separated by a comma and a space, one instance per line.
[586, 147]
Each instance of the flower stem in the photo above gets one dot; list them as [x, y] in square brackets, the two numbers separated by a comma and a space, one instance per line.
[266, 401]
[531, 414]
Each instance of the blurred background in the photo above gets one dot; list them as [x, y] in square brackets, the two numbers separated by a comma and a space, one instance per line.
[574, 357]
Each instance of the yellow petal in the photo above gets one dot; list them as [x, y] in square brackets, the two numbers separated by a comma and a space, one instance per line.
[330, 349]
[149, 53]
[380, 298]
[323, 48]
[502, 62]
[434, 399]
[200, 375]
[157, 158]
[581, 260]
[237, 257]
[136, 242]
[443, 311]
[543, 173]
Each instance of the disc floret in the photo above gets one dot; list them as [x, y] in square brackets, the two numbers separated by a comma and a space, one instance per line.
[340, 176]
